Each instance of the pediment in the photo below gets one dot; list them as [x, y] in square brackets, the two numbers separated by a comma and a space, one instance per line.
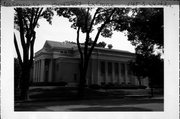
[46, 46]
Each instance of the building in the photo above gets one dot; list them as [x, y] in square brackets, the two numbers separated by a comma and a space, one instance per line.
[59, 61]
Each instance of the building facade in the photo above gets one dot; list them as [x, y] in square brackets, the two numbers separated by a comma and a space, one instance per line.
[59, 61]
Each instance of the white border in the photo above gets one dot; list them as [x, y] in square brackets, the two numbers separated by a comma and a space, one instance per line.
[171, 105]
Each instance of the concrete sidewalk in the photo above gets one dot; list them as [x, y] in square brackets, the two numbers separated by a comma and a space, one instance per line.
[124, 104]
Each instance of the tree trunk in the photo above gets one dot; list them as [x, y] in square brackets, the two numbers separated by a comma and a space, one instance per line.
[82, 81]
[151, 87]
[24, 82]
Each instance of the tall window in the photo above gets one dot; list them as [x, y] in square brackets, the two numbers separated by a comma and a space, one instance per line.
[109, 68]
[102, 68]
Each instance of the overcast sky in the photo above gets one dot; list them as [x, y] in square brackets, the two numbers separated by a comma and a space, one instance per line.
[61, 30]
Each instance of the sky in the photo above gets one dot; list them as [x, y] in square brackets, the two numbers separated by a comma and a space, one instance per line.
[61, 30]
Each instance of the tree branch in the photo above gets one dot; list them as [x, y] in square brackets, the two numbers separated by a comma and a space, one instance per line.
[17, 50]
[99, 31]
[93, 19]
[78, 44]
[37, 17]
[32, 48]
[87, 35]
[19, 14]
[32, 17]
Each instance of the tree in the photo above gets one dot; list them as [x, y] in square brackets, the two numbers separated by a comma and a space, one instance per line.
[26, 19]
[86, 20]
[145, 31]
[146, 28]
[110, 46]
[101, 44]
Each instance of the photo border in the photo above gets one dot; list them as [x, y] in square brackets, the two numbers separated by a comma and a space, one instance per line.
[171, 71]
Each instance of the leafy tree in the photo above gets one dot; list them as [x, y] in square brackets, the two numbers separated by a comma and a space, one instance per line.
[145, 31]
[26, 19]
[110, 46]
[101, 44]
[105, 20]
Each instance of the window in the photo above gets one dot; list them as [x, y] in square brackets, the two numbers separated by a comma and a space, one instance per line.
[109, 68]
[102, 68]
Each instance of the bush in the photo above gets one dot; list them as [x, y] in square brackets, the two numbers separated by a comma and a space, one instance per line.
[94, 86]
[62, 83]
[121, 86]
[142, 87]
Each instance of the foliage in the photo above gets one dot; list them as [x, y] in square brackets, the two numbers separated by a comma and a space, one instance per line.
[110, 46]
[150, 66]
[145, 30]
[101, 44]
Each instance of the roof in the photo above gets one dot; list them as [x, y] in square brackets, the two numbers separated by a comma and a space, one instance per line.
[55, 44]
[68, 45]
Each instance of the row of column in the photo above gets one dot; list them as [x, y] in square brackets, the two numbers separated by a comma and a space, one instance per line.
[43, 70]
[38, 74]
[113, 78]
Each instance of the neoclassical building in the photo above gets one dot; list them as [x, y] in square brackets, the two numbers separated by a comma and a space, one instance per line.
[59, 61]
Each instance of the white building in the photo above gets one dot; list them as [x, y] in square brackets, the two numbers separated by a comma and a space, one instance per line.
[59, 61]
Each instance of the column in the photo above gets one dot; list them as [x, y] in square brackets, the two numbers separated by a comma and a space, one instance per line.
[50, 71]
[38, 71]
[34, 71]
[92, 72]
[119, 73]
[106, 74]
[113, 73]
[42, 70]
[98, 72]
[53, 71]
[126, 74]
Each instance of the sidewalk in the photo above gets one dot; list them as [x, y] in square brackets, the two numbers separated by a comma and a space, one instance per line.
[122, 104]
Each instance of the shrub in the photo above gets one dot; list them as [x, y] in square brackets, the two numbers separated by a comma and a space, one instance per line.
[94, 86]
[62, 83]
[121, 86]
[142, 87]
